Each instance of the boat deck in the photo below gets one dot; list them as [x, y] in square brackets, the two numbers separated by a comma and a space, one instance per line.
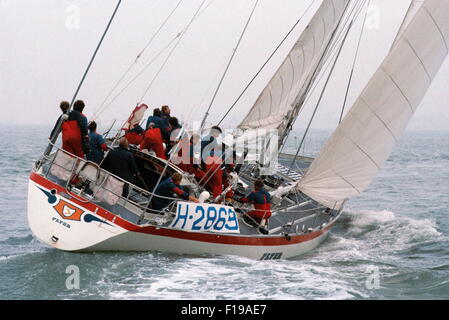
[295, 213]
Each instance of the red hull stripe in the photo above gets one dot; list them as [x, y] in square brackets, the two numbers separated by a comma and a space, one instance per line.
[194, 236]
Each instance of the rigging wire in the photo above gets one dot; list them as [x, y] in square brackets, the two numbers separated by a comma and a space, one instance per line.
[229, 64]
[331, 51]
[171, 52]
[354, 12]
[182, 130]
[354, 63]
[159, 30]
[320, 98]
[266, 62]
[336, 56]
[331, 54]
[133, 64]
[159, 53]
[323, 59]
[216, 92]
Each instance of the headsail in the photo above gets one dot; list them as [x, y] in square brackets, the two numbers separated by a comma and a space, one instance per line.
[415, 5]
[361, 144]
[278, 105]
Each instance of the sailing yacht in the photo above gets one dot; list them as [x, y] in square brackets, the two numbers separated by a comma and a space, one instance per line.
[308, 194]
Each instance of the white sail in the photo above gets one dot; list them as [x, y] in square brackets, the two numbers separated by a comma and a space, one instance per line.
[276, 105]
[415, 5]
[361, 144]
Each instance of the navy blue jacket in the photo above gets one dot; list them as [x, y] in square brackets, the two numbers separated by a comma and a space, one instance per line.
[210, 147]
[167, 189]
[156, 121]
[121, 163]
[82, 121]
[97, 145]
[259, 197]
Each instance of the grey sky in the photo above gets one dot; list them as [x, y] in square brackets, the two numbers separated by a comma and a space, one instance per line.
[44, 54]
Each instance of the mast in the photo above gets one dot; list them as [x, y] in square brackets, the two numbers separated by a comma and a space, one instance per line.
[357, 150]
[279, 103]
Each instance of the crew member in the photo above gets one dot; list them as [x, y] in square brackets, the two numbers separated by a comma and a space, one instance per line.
[168, 189]
[176, 135]
[64, 106]
[152, 140]
[135, 135]
[121, 163]
[227, 182]
[75, 135]
[97, 144]
[262, 204]
[155, 121]
[214, 175]
[166, 112]
[191, 163]
[209, 143]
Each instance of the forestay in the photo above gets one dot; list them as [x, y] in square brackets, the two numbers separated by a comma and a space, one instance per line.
[358, 148]
[279, 103]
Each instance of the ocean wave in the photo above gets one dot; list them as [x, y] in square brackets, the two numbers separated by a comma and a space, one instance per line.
[239, 278]
[386, 224]
[18, 240]
[441, 156]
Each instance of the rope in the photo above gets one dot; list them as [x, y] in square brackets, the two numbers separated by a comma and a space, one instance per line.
[229, 64]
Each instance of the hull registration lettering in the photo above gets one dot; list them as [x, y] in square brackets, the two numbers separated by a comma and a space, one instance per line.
[205, 217]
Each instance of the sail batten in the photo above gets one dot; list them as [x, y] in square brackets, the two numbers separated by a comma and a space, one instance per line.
[357, 150]
[280, 101]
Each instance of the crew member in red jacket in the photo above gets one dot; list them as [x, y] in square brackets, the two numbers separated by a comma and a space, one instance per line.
[262, 204]
[135, 135]
[75, 134]
[153, 141]
[189, 162]
[214, 175]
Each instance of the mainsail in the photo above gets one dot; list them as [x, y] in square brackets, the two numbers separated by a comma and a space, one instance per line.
[361, 144]
[279, 103]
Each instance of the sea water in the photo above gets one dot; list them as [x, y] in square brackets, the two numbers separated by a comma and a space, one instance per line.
[391, 243]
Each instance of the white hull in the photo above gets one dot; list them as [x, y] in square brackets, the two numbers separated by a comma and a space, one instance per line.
[133, 241]
[93, 229]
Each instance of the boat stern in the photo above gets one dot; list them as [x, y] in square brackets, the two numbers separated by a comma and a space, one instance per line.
[60, 222]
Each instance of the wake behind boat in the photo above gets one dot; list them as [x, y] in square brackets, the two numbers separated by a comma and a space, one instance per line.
[76, 205]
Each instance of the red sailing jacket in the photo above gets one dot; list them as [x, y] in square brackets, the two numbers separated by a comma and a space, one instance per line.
[261, 200]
